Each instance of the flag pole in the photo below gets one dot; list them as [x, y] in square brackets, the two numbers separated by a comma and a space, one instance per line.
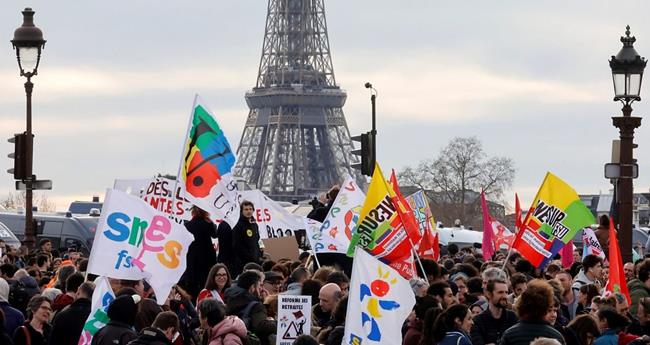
[315, 257]
[417, 258]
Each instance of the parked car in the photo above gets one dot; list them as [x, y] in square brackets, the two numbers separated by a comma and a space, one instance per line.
[8, 237]
[64, 230]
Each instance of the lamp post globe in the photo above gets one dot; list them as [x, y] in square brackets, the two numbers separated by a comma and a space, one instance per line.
[28, 43]
[627, 71]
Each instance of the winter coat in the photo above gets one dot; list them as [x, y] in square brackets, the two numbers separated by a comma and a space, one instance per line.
[523, 332]
[226, 254]
[200, 255]
[488, 330]
[638, 290]
[229, 331]
[151, 336]
[319, 317]
[61, 301]
[336, 336]
[413, 333]
[456, 337]
[114, 333]
[13, 317]
[35, 337]
[609, 337]
[245, 242]
[236, 301]
[69, 322]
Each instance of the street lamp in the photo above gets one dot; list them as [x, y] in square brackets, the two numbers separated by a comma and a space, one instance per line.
[28, 43]
[627, 73]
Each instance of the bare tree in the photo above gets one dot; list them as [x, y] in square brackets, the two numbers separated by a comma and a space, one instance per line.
[461, 170]
[15, 200]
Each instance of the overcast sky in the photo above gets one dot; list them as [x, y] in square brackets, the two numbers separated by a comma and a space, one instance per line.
[530, 79]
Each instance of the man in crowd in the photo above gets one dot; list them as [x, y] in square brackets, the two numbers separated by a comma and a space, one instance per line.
[628, 268]
[519, 283]
[341, 279]
[244, 301]
[13, 317]
[591, 272]
[246, 237]
[329, 295]
[44, 247]
[162, 331]
[442, 292]
[69, 322]
[639, 287]
[273, 282]
[490, 325]
[43, 263]
[569, 298]
[69, 295]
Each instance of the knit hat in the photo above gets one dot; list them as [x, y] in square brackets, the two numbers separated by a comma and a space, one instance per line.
[124, 308]
[4, 290]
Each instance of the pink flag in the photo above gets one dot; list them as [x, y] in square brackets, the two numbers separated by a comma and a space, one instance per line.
[488, 232]
[567, 255]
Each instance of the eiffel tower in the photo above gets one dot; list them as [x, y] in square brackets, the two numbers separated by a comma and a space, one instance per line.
[296, 142]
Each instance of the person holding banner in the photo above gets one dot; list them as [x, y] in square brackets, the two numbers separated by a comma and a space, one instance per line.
[201, 255]
[246, 239]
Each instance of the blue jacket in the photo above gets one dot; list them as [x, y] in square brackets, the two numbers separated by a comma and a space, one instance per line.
[456, 337]
[13, 317]
[608, 337]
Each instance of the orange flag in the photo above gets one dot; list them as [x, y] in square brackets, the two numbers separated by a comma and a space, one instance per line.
[616, 281]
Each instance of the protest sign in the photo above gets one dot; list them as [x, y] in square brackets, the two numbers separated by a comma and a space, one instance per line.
[334, 234]
[294, 318]
[134, 241]
[158, 192]
[98, 317]
[272, 219]
[281, 248]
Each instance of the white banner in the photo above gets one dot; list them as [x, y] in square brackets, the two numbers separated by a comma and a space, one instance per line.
[336, 231]
[272, 219]
[380, 300]
[98, 318]
[134, 241]
[590, 244]
[206, 166]
[158, 192]
[294, 318]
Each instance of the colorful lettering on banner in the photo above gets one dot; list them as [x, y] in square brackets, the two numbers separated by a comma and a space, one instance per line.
[336, 231]
[135, 241]
[98, 317]
[158, 192]
[272, 219]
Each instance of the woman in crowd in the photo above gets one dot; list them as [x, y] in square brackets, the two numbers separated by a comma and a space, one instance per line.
[610, 323]
[201, 255]
[222, 330]
[180, 303]
[216, 284]
[453, 326]
[582, 330]
[586, 294]
[37, 330]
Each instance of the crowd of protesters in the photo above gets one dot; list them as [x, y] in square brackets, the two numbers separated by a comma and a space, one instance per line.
[230, 298]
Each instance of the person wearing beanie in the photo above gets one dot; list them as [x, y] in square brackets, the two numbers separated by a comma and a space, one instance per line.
[13, 317]
[120, 330]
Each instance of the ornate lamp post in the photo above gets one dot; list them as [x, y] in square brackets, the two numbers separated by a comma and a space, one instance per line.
[28, 43]
[627, 73]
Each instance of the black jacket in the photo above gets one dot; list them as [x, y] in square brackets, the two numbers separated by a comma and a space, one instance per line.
[69, 322]
[114, 333]
[488, 330]
[245, 238]
[237, 299]
[200, 255]
[224, 235]
[36, 337]
[151, 336]
[524, 332]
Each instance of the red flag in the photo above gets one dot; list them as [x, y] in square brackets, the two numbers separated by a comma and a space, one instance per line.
[616, 281]
[518, 222]
[405, 212]
[567, 255]
[488, 243]
[429, 248]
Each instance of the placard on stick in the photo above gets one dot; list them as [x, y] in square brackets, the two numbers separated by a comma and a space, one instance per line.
[294, 318]
[281, 247]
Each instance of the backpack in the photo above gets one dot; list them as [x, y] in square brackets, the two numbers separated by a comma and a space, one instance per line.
[19, 296]
[245, 315]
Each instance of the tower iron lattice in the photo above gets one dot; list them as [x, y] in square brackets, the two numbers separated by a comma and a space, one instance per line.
[295, 142]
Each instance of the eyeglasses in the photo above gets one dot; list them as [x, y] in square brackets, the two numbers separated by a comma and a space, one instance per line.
[222, 275]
